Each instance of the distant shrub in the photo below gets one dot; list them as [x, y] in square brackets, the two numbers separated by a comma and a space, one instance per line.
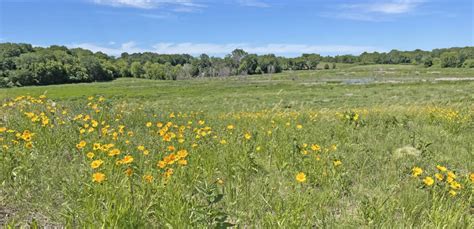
[450, 60]
[427, 61]
[469, 63]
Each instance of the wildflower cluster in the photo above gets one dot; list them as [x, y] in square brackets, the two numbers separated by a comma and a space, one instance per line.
[321, 161]
[10, 138]
[442, 179]
[350, 117]
[449, 115]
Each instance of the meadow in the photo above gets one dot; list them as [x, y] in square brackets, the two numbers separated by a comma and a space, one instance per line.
[377, 146]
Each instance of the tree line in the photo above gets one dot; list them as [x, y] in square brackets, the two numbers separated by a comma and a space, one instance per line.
[22, 64]
[445, 58]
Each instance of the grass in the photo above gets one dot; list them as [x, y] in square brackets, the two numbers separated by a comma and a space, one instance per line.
[246, 140]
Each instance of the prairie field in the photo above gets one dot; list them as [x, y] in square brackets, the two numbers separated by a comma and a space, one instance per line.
[375, 146]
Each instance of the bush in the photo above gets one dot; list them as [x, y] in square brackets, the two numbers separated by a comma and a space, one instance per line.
[469, 63]
[450, 60]
[427, 61]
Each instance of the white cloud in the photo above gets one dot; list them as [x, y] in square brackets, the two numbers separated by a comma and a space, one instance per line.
[375, 10]
[129, 47]
[157, 16]
[386, 7]
[149, 4]
[253, 3]
[209, 48]
[181, 5]
[222, 49]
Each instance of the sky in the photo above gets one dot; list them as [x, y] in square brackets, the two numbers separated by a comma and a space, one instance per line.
[216, 27]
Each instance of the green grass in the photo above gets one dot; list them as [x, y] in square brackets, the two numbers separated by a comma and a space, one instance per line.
[418, 122]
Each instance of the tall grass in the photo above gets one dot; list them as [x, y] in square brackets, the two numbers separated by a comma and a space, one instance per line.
[69, 163]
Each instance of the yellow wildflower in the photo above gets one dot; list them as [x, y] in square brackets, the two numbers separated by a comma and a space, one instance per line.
[428, 181]
[81, 144]
[127, 159]
[451, 174]
[148, 178]
[315, 147]
[449, 179]
[98, 177]
[114, 152]
[161, 164]
[94, 123]
[416, 171]
[452, 193]
[441, 168]
[182, 153]
[90, 155]
[455, 185]
[247, 136]
[301, 177]
[96, 164]
[96, 146]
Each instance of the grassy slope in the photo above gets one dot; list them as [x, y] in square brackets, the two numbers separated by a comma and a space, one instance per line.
[328, 88]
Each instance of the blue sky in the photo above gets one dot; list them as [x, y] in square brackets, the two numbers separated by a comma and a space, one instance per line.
[216, 27]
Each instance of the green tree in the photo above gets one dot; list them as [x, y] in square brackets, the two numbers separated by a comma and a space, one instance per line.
[469, 63]
[450, 60]
[248, 65]
[427, 61]
[136, 70]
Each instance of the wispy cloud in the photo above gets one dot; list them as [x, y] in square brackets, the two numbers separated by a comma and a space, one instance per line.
[158, 15]
[149, 4]
[222, 49]
[253, 3]
[375, 10]
[385, 7]
[129, 47]
[197, 48]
